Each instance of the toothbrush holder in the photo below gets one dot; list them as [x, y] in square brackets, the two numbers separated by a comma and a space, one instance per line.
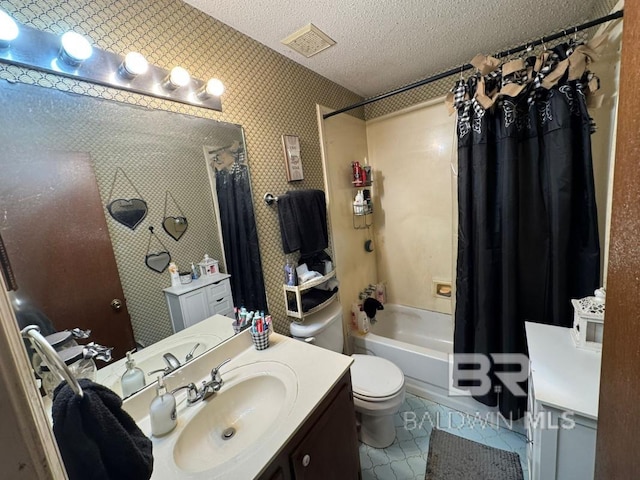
[260, 340]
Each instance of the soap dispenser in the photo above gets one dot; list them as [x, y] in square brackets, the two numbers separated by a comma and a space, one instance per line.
[133, 379]
[162, 411]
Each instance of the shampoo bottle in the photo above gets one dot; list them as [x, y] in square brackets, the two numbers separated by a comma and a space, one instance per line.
[133, 379]
[162, 411]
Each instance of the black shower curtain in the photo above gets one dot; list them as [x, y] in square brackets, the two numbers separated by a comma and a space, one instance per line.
[527, 232]
[240, 237]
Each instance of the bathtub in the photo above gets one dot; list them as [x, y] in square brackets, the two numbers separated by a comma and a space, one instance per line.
[419, 342]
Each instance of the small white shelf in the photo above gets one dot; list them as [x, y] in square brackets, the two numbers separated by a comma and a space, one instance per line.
[310, 284]
[299, 289]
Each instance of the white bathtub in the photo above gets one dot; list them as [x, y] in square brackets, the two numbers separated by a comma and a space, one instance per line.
[419, 342]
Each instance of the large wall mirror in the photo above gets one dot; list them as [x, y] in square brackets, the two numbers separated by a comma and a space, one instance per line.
[64, 157]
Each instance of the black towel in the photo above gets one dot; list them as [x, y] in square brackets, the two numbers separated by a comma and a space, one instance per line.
[371, 306]
[98, 440]
[303, 221]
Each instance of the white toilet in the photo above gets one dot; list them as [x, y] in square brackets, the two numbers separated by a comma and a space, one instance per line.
[378, 384]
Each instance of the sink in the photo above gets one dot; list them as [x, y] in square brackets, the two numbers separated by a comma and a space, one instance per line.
[253, 402]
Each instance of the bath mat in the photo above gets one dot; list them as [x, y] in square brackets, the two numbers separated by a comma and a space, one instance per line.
[456, 458]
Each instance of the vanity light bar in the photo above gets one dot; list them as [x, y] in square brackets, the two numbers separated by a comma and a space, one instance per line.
[72, 55]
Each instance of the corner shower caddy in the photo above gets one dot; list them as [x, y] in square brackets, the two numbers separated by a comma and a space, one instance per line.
[362, 214]
[298, 290]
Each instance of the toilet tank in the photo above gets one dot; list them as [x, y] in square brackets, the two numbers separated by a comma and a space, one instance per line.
[325, 326]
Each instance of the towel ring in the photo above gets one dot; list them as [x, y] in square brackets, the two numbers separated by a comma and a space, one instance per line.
[50, 357]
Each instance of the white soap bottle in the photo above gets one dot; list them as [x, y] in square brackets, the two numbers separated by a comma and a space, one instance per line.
[133, 379]
[162, 411]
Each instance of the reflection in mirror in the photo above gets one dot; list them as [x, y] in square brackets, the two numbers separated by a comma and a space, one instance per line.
[74, 264]
[229, 174]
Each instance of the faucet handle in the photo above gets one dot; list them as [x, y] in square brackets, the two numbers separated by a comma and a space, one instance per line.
[192, 392]
[215, 373]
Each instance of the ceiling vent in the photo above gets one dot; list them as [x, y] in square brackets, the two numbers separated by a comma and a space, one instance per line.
[308, 41]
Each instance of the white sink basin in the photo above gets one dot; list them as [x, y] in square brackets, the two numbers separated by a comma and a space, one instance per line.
[254, 400]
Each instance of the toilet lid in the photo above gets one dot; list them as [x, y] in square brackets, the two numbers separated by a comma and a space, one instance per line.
[375, 377]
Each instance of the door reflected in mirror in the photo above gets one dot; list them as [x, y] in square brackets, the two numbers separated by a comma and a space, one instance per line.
[60, 154]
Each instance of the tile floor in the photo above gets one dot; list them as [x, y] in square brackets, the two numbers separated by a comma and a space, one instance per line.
[406, 458]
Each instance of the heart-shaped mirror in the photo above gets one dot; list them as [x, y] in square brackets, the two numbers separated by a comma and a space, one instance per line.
[158, 262]
[128, 212]
[175, 226]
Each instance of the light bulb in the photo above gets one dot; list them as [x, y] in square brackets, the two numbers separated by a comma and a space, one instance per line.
[75, 48]
[214, 87]
[8, 29]
[134, 64]
[179, 77]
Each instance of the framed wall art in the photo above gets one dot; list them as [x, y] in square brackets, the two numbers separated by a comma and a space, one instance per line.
[293, 161]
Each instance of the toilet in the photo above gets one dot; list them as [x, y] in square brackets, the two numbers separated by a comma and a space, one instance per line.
[378, 384]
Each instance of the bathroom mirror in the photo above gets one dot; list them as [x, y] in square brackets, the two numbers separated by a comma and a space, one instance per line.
[59, 155]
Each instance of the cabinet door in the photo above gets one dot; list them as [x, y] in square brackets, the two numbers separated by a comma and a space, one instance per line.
[195, 307]
[330, 449]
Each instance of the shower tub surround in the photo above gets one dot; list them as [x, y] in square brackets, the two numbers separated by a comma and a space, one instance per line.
[419, 342]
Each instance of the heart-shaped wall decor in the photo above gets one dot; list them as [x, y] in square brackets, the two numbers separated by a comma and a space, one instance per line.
[158, 262]
[128, 212]
[175, 226]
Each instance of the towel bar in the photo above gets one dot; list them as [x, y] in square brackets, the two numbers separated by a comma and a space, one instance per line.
[270, 198]
[50, 357]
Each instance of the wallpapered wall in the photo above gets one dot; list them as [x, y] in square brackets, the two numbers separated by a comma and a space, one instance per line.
[267, 93]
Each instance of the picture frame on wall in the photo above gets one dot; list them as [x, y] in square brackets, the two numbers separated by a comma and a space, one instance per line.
[292, 158]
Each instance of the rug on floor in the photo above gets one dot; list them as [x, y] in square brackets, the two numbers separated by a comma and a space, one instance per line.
[456, 458]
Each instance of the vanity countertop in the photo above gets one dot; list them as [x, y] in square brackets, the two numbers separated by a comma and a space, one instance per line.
[209, 333]
[564, 376]
[316, 370]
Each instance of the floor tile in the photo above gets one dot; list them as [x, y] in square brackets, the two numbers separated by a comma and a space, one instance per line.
[406, 458]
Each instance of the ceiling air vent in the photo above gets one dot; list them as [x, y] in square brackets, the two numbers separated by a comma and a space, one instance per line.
[308, 41]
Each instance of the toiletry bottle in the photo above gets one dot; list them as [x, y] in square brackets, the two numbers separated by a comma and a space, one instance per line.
[162, 411]
[381, 294]
[359, 203]
[357, 174]
[133, 379]
[363, 322]
[194, 272]
[175, 276]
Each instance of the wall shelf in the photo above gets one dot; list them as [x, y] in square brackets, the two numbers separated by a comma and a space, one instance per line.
[298, 290]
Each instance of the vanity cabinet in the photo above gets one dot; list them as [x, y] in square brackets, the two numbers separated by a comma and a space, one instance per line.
[202, 298]
[562, 413]
[326, 445]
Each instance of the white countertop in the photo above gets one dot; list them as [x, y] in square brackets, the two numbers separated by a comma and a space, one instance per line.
[203, 281]
[564, 377]
[317, 370]
[209, 333]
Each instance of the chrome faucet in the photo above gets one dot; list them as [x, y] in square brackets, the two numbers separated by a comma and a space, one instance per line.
[172, 364]
[207, 389]
[190, 354]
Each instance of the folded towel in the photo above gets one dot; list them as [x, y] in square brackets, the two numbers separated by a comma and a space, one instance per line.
[98, 440]
[303, 221]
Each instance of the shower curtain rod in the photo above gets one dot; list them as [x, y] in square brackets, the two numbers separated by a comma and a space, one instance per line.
[467, 66]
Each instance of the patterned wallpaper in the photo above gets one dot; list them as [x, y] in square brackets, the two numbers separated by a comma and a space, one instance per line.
[441, 87]
[267, 93]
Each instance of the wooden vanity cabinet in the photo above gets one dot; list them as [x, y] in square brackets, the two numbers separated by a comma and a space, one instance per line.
[326, 445]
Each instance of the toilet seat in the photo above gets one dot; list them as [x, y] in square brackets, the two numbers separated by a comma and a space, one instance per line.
[375, 379]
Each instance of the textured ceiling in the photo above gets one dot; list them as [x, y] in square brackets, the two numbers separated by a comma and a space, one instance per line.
[383, 44]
